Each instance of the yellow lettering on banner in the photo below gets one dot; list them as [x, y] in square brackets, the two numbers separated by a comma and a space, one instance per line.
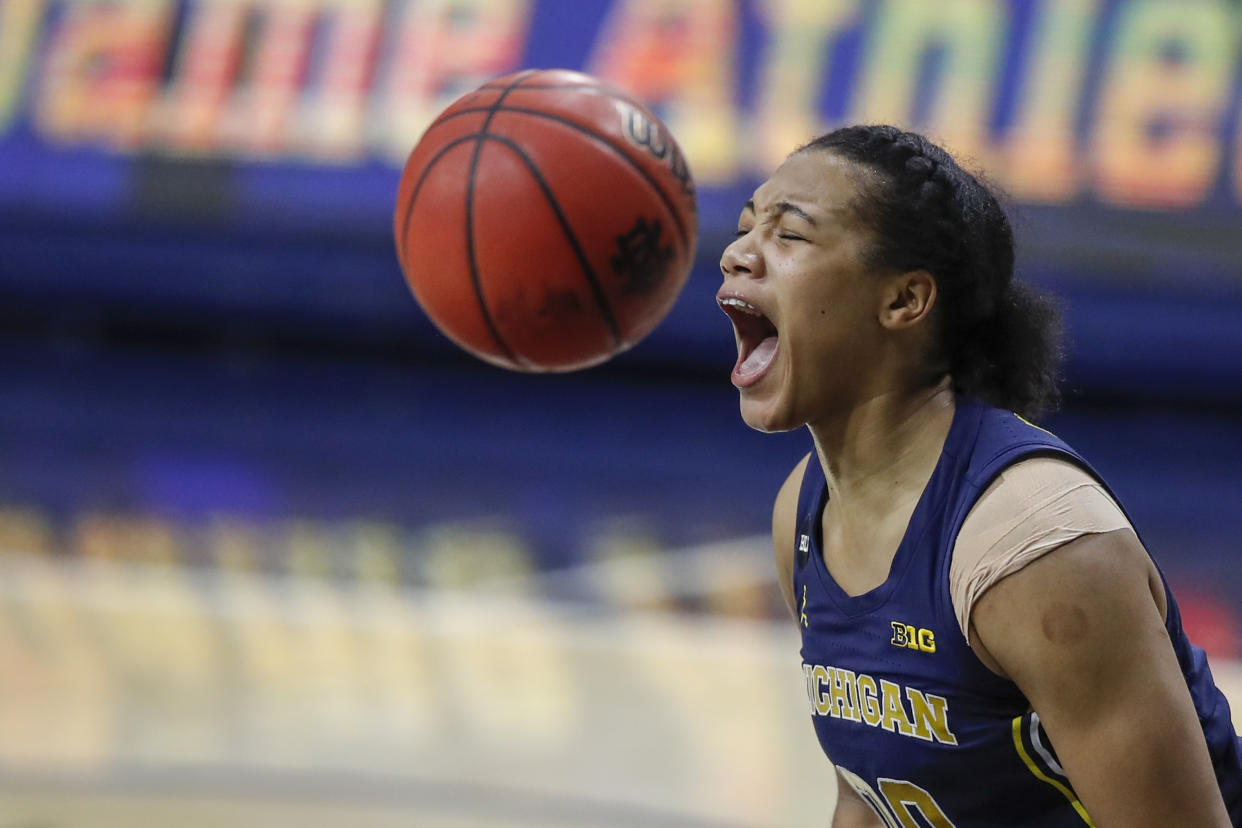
[257, 119]
[679, 56]
[971, 34]
[895, 719]
[332, 122]
[1041, 161]
[793, 72]
[868, 699]
[443, 49]
[1157, 143]
[931, 718]
[19, 26]
[212, 105]
[209, 57]
[103, 71]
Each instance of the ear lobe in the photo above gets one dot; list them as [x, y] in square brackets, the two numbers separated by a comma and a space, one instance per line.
[911, 297]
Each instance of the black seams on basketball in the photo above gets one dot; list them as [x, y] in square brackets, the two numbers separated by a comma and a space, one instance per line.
[546, 221]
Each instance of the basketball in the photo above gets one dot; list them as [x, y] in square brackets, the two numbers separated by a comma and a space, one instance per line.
[546, 221]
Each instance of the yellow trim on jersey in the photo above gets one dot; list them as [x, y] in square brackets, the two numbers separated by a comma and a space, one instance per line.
[1039, 774]
[1032, 425]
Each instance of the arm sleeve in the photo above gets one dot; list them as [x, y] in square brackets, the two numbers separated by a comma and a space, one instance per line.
[1032, 508]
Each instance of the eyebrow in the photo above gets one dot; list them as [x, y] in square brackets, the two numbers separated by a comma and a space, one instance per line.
[782, 207]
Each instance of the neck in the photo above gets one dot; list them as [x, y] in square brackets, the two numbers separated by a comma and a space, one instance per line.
[885, 446]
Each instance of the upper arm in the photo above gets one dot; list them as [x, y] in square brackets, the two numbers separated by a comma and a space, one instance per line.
[1081, 633]
[784, 520]
[1033, 507]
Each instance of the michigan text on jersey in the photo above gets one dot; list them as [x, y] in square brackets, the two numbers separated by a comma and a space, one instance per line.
[858, 697]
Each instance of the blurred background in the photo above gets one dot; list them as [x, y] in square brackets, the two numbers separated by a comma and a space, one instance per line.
[272, 552]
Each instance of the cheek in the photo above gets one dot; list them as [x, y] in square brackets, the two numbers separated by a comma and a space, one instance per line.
[829, 327]
[818, 309]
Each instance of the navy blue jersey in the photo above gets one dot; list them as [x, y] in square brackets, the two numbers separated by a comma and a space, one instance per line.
[902, 704]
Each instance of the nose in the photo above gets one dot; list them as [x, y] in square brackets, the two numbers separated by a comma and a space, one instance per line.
[741, 259]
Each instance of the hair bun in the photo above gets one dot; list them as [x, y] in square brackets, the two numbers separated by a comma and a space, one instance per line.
[920, 165]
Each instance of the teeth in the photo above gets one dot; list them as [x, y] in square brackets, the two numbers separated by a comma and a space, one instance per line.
[746, 307]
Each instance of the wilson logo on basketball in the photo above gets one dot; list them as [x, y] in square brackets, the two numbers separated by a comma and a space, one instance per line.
[642, 132]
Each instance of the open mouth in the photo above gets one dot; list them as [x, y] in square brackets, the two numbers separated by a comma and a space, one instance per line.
[757, 340]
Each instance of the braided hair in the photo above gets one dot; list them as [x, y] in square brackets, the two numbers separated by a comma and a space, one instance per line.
[1000, 337]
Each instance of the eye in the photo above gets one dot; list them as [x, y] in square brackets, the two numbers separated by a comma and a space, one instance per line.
[741, 231]
[790, 236]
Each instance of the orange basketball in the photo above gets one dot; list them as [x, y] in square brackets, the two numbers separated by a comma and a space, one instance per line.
[546, 221]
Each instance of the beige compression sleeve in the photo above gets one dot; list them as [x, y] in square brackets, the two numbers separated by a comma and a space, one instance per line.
[1032, 508]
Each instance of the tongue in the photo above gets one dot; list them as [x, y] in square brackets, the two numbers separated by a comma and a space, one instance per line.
[759, 358]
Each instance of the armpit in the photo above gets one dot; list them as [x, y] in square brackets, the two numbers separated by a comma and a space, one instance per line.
[1032, 508]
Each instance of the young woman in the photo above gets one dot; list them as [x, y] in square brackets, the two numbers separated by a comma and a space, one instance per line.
[984, 638]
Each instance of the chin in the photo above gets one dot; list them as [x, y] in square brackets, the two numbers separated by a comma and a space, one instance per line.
[766, 417]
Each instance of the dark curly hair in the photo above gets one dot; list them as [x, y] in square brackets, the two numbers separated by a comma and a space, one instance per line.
[1000, 337]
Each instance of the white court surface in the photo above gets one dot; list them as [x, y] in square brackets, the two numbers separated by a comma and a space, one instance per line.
[157, 696]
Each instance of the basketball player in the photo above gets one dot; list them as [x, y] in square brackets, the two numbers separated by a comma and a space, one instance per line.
[985, 639]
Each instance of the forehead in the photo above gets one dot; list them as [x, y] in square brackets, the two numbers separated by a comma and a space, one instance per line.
[819, 181]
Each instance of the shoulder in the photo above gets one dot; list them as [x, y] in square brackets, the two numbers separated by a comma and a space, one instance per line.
[1030, 509]
[1036, 493]
[1041, 476]
[1045, 529]
[784, 527]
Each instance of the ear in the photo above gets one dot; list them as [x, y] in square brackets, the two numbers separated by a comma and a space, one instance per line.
[907, 299]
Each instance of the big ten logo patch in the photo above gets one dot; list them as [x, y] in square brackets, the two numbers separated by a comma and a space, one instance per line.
[913, 638]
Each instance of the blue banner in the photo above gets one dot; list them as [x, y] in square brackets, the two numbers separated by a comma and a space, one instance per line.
[270, 135]
[306, 109]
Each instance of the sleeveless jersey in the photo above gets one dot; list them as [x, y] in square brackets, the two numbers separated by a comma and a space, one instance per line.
[903, 706]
